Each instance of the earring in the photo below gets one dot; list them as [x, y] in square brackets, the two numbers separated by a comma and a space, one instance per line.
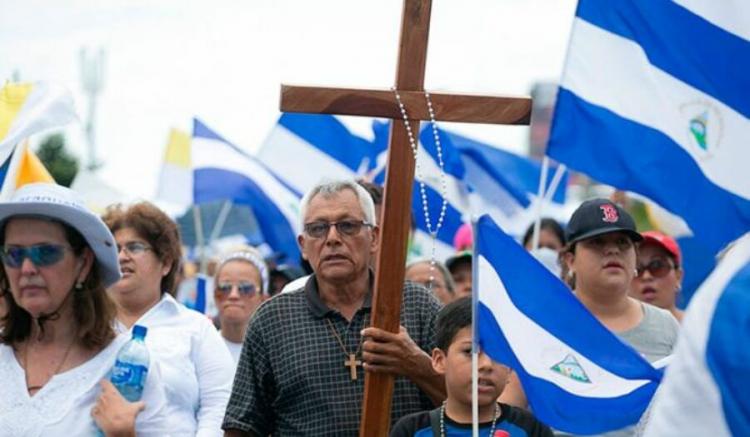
[79, 285]
[571, 273]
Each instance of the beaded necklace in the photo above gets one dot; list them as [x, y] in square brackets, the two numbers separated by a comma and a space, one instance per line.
[442, 420]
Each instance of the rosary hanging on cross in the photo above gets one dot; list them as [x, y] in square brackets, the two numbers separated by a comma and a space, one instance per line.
[418, 175]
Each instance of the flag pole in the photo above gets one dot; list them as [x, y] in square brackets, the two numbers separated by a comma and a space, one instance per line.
[555, 182]
[200, 243]
[540, 203]
[221, 220]
[474, 333]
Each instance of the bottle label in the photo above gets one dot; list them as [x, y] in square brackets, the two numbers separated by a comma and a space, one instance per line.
[128, 374]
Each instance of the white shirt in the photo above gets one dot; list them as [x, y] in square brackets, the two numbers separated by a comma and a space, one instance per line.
[296, 284]
[63, 406]
[234, 349]
[196, 366]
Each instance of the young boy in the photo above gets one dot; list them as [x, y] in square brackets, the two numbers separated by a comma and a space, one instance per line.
[452, 358]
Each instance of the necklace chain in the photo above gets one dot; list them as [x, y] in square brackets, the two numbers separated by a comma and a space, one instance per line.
[442, 420]
[418, 174]
[57, 369]
[341, 342]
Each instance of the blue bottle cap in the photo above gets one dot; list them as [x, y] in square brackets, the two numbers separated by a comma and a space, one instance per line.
[139, 331]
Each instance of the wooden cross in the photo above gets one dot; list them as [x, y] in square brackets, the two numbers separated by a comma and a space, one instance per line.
[352, 364]
[395, 222]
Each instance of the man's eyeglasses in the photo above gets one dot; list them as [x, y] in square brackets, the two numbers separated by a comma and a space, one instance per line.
[344, 227]
[41, 255]
[658, 268]
[133, 248]
[245, 288]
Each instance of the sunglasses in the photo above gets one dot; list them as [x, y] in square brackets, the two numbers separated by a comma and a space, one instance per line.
[245, 288]
[41, 255]
[658, 268]
[133, 248]
[349, 228]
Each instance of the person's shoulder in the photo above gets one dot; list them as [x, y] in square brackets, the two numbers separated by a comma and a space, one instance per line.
[415, 424]
[418, 294]
[661, 317]
[525, 420]
[282, 305]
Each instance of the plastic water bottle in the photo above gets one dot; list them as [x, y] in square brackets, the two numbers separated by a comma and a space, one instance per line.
[129, 373]
[131, 366]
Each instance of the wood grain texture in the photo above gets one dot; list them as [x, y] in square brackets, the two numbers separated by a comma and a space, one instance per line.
[391, 263]
[465, 108]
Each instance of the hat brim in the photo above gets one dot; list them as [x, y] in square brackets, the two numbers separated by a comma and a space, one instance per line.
[633, 235]
[91, 227]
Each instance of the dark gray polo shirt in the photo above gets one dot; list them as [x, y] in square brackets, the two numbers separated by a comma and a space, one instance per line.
[291, 378]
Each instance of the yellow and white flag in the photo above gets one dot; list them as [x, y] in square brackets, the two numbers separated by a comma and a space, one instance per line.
[176, 178]
[25, 109]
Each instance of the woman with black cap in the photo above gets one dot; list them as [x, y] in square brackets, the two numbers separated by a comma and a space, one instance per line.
[57, 342]
[600, 259]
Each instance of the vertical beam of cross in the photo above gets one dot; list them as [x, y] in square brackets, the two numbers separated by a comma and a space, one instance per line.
[394, 234]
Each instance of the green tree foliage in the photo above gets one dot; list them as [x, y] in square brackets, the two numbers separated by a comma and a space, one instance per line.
[62, 165]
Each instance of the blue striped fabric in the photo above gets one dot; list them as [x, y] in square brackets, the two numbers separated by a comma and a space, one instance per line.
[675, 127]
[222, 171]
[683, 44]
[709, 375]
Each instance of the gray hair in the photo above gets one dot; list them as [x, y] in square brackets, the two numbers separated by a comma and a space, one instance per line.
[450, 284]
[327, 188]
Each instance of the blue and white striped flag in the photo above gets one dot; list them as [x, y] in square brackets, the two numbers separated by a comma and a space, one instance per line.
[577, 375]
[706, 390]
[654, 100]
[222, 171]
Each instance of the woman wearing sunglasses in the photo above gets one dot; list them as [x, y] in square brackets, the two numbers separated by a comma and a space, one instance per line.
[240, 286]
[659, 273]
[196, 365]
[57, 343]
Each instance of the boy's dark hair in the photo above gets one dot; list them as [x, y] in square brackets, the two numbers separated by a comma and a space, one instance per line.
[452, 318]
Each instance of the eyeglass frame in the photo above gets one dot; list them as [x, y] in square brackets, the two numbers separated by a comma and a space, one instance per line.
[141, 247]
[359, 225]
[668, 267]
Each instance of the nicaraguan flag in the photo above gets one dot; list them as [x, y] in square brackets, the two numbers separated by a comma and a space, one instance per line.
[305, 148]
[503, 184]
[654, 100]
[222, 171]
[706, 390]
[578, 376]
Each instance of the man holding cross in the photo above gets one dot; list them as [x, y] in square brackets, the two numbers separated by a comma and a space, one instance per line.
[301, 371]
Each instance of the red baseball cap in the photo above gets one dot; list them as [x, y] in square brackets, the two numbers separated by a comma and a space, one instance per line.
[665, 242]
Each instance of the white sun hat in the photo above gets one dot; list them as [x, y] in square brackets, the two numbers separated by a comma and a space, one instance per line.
[60, 203]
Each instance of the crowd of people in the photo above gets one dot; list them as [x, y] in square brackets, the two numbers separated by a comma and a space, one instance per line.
[73, 285]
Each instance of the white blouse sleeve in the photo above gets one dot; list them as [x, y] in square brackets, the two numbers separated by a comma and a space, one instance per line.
[153, 420]
[215, 370]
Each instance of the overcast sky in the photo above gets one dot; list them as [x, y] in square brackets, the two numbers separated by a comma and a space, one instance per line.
[223, 61]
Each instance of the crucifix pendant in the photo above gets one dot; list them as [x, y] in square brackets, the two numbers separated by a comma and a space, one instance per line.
[352, 364]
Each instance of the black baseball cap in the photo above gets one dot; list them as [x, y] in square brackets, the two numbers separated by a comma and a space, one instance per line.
[462, 257]
[599, 216]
